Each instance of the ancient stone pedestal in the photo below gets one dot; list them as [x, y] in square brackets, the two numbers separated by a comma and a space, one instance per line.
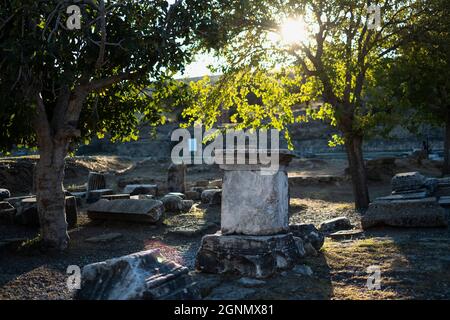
[254, 239]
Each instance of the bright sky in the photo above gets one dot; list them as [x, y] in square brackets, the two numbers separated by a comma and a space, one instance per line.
[199, 67]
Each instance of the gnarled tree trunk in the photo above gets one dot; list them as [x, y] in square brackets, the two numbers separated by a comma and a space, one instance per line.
[50, 194]
[353, 145]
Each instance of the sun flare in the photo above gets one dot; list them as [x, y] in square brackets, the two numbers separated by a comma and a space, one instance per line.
[294, 31]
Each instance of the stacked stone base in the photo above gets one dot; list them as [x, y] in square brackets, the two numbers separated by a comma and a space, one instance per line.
[249, 256]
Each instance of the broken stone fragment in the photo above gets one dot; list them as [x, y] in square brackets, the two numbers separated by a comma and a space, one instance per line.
[405, 213]
[250, 256]
[346, 234]
[407, 181]
[172, 203]
[4, 194]
[96, 181]
[179, 194]
[132, 210]
[145, 275]
[249, 282]
[95, 195]
[137, 189]
[212, 196]
[404, 196]
[27, 213]
[336, 224]
[308, 233]
[116, 196]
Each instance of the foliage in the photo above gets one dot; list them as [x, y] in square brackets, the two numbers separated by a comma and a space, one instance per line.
[335, 73]
[124, 49]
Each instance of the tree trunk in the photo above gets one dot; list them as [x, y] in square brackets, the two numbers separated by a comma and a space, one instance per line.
[446, 167]
[50, 194]
[353, 145]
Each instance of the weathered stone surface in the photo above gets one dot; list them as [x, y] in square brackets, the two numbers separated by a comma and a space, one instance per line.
[172, 203]
[304, 270]
[176, 178]
[137, 189]
[308, 233]
[336, 224]
[404, 196]
[107, 237]
[186, 205]
[444, 201]
[27, 213]
[405, 213]
[193, 195]
[122, 196]
[4, 194]
[300, 246]
[407, 181]
[212, 196]
[127, 210]
[310, 251]
[251, 256]
[346, 234]
[250, 282]
[145, 275]
[254, 204]
[179, 194]
[7, 213]
[96, 181]
[95, 195]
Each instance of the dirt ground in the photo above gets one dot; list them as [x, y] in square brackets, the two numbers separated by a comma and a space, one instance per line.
[414, 263]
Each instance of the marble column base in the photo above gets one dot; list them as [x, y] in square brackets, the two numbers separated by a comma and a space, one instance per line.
[249, 256]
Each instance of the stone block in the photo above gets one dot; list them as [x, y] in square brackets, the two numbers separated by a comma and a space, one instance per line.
[254, 204]
[145, 275]
[335, 224]
[149, 211]
[122, 196]
[95, 195]
[137, 189]
[405, 213]
[407, 181]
